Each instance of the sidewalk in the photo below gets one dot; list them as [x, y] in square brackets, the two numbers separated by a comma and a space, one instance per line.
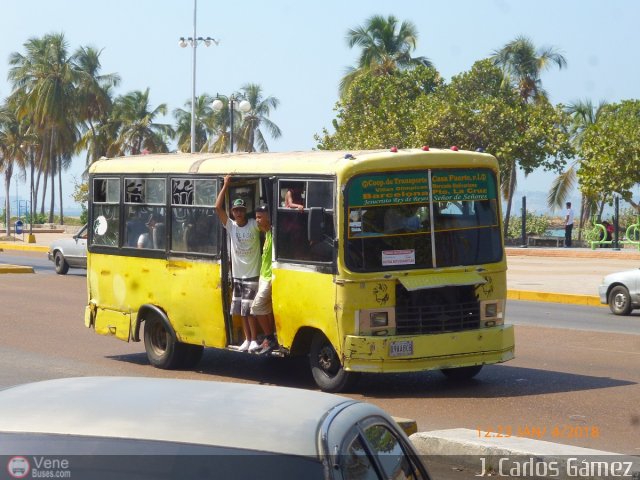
[560, 275]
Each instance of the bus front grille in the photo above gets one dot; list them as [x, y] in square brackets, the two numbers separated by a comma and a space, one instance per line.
[437, 318]
[437, 310]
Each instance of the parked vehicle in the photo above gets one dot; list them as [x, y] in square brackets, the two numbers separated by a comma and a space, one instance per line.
[621, 290]
[69, 252]
[176, 428]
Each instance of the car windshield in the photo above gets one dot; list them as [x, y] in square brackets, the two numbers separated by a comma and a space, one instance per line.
[395, 222]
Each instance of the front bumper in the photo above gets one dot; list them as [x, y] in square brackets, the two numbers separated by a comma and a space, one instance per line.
[602, 292]
[430, 352]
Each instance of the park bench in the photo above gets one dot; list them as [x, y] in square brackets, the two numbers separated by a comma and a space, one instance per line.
[545, 241]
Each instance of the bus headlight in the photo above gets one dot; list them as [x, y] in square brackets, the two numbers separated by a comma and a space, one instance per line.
[376, 321]
[379, 319]
[491, 313]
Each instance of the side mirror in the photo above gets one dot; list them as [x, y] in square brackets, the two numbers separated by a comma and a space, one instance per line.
[315, 225]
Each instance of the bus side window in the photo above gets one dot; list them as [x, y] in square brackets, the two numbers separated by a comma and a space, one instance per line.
[292, 238]
[194, 225]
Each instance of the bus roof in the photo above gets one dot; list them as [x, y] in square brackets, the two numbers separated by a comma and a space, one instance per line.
[307, 162]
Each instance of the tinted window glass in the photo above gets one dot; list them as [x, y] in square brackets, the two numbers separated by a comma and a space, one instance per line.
[106, 211]
[145, 227]
[194, 225]
[386, 446]
[194, 229]
[292, 241]
[356, 464]
[390, 224]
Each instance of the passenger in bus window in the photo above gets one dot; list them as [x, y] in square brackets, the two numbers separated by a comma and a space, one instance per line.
[152, 238]
[262, 307]
[293, 198]
[245, 262]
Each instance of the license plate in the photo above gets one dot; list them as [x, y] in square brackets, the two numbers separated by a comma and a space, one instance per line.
[401, 348]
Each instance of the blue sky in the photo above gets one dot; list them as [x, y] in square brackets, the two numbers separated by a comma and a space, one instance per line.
[297, 51]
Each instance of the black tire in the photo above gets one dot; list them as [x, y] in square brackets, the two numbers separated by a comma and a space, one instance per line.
[461, 373]
[163, 351]
[326, 368]
[192, 356]
[62, 267]
[620, 301]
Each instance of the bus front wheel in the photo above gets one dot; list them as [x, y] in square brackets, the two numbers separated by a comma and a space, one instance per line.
[326, 368]
[461, 373]
[162, 349]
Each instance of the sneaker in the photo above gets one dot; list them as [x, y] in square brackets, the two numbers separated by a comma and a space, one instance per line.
[253, 346]
[244, 347]
[267, 347]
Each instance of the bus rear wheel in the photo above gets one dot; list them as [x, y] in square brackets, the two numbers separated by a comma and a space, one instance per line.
[326, 368]
[163, 351]
[461, 373]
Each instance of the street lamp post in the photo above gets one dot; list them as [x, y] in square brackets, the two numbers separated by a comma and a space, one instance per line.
[234, 103]
[194, 41]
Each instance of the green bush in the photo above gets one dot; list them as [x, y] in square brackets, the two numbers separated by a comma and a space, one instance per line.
[38, 218]
[536, 225]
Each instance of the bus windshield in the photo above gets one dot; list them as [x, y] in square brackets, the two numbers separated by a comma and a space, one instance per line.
[395, 221]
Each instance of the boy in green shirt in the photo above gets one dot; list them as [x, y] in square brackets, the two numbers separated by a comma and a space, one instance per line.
[261, 306]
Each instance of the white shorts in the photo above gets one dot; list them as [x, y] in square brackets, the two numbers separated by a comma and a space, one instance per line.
[262, 302]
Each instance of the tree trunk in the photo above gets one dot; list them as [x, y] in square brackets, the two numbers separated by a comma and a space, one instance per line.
[52, 203]
[7, 203]
[44, 191]
[60, 192]
[512, 185]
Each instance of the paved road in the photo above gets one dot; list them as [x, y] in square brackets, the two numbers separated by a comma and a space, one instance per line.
[574, 317]
[561, 377]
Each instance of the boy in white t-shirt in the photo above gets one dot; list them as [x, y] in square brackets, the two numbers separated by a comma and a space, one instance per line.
[244, 236]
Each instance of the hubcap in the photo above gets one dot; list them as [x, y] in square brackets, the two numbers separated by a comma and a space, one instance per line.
[159, 339]
[327, 360]
[620, 301]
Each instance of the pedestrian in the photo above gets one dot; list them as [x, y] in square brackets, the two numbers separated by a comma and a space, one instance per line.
[244, 236]
[568, 225]
[262, 306]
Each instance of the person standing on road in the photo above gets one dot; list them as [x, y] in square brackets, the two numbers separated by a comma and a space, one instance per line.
[568, 225]
[244, 236]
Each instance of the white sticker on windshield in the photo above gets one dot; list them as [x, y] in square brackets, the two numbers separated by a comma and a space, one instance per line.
[100, 225]
[398, 257]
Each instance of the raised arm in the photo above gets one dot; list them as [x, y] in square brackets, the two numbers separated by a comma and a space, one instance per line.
[222, 214]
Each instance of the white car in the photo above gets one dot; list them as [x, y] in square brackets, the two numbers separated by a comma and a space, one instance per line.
[69, 252]
[137, 427]
[621, 291]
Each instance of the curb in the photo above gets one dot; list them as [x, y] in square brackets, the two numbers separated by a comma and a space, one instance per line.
[498, 456]
[566, 298]
[15, 269]
[32, 248]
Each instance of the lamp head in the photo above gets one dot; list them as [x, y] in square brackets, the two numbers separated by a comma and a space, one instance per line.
[217, 105]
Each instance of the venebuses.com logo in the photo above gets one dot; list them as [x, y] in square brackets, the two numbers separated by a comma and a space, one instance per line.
[18, 467]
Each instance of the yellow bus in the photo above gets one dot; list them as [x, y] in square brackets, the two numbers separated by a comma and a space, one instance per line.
[396, 263]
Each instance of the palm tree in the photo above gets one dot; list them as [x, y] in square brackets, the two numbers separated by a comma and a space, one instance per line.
[583, 114]
[183, 119]
[46, 79]
[250, 137]
[93, 100]
[522, 65]
[386, 46]
[137, 128]
[12, 137]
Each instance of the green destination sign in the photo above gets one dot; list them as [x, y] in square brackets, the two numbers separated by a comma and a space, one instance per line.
[413, 187]
[461, 185]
